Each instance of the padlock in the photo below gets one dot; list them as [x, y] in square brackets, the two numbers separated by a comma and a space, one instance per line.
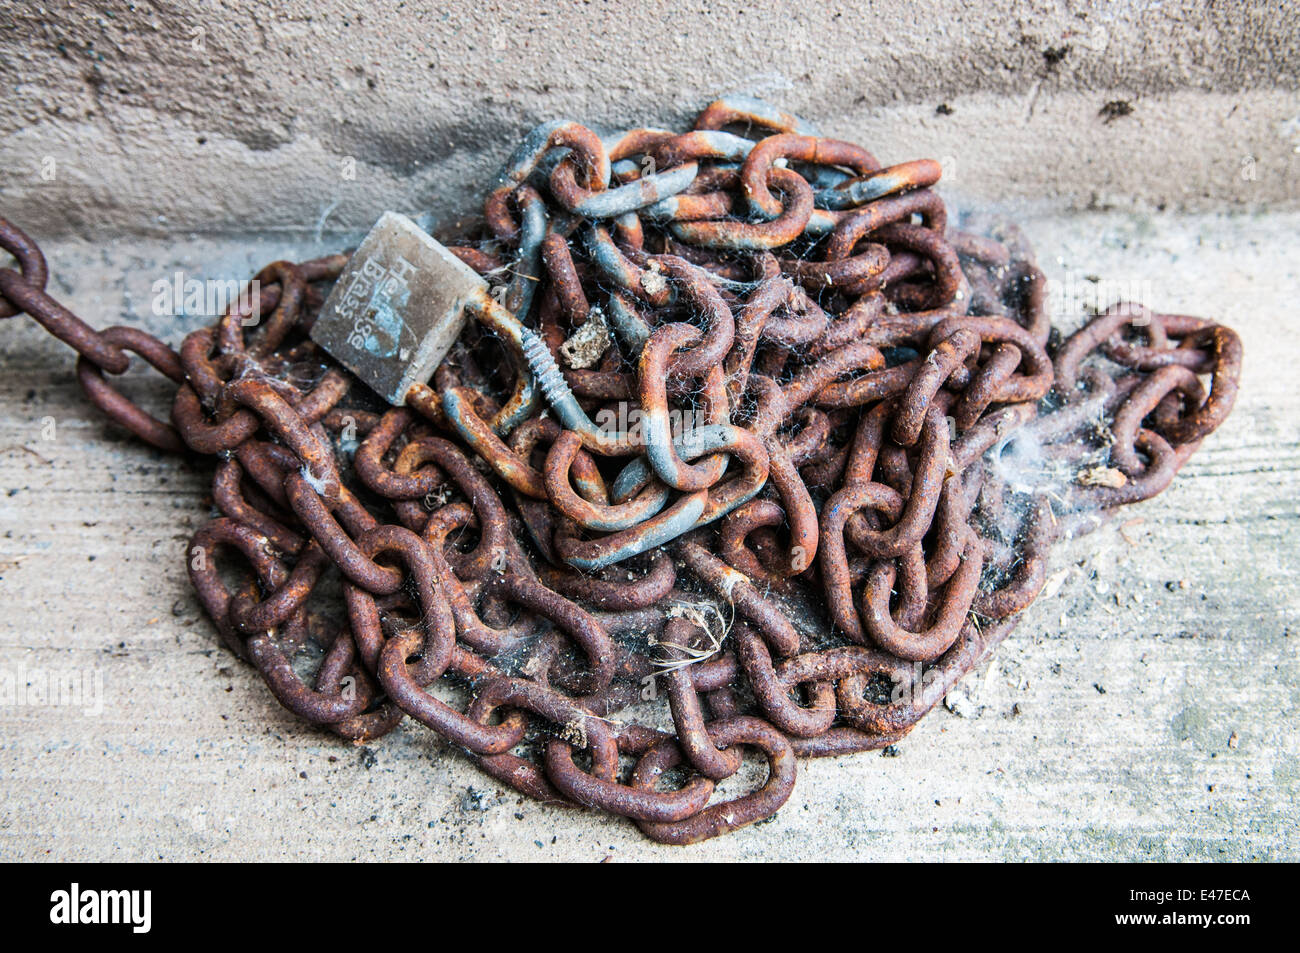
[400, 304]
[397, 308]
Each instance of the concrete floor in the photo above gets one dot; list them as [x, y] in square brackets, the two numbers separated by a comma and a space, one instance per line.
[1144, 711]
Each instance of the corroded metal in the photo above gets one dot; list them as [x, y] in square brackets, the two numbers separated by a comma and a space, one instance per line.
[823, 410]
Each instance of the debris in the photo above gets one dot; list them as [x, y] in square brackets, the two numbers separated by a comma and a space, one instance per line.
[1102, 476]
[1054, 582]
[1127, 525]
[957, 702]
[1115, 109]
[589, 343]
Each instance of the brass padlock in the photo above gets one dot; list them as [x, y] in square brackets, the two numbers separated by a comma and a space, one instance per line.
[397, 308]
[400, 304]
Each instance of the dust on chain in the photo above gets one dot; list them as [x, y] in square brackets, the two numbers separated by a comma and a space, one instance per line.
[835, 439]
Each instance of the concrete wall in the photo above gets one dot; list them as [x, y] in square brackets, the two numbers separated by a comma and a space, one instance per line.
[237, 115]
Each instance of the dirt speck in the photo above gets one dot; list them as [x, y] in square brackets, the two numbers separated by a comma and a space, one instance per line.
[1115, 109]
[589, 343]
[1053, 55]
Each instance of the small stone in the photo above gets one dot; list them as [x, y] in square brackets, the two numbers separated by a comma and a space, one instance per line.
[653, 282]
[960, 705]
[1101, 476]
[589, 343]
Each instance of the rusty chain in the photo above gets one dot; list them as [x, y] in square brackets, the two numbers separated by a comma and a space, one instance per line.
[833, 438]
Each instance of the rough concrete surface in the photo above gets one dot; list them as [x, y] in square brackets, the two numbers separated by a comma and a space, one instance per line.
[167, 116]
[1145, 710]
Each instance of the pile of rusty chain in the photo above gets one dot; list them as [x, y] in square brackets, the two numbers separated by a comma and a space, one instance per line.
[882, 439]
